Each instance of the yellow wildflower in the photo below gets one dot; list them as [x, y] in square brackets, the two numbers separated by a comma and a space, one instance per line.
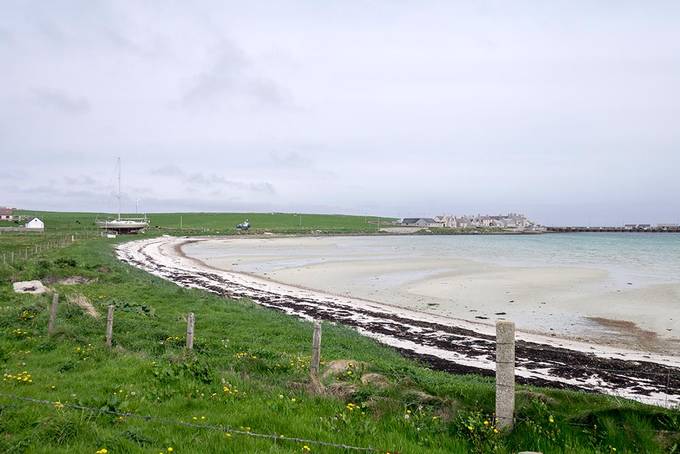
[305, 448]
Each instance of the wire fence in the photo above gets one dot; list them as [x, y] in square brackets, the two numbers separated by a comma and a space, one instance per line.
[174, 422]
[44, 243]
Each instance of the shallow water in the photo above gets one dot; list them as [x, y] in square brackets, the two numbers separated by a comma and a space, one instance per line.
[640, 258]
[552, 283]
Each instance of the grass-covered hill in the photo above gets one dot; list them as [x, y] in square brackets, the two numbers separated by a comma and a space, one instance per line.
[248, 376]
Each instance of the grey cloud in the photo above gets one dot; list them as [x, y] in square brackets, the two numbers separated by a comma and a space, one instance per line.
[61, 101]
[81, 180]
[290, 159]
[200, 179]
[12, 175]
[407, 109]
[209, 180]
[167, 171]
[5, 36]
[124, 43]
[230, 80]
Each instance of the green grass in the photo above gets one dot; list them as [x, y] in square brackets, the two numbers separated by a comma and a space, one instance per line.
[223, 223]
[264, 355]
[61, 226]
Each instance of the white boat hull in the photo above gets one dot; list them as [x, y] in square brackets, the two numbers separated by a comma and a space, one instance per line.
[123, 225]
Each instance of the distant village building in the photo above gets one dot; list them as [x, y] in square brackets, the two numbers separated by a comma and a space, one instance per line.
[511, 221]
[35, 224]
[421, 222]
[6, 214]
[668, 226]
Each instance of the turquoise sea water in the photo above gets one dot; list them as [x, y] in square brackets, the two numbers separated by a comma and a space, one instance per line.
[641, 258]
[647, 257]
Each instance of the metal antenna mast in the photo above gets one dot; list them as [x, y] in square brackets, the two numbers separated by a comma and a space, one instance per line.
[118, 188]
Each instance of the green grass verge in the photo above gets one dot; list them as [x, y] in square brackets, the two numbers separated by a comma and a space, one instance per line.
[261, 357]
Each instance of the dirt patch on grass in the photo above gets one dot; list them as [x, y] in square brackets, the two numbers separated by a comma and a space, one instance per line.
[84, 303]
[71, 280]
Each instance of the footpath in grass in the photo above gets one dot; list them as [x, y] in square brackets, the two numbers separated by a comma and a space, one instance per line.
[248, 373]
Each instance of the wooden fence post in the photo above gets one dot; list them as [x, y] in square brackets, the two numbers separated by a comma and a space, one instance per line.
[316, 351]
[190, 331]
[109, 326]
[53, 314]
[505, 374]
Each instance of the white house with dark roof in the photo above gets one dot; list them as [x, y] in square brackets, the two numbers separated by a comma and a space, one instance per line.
[35, 224]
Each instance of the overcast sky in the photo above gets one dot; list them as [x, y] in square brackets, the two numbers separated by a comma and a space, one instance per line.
[566, 111]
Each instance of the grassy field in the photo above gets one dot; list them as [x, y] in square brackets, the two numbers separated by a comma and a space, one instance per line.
[223, 223]
[248, 372]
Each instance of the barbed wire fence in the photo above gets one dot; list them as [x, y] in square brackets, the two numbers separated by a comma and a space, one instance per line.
[175, 422]
[509, 409]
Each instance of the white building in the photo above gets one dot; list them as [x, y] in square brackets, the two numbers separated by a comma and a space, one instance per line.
[35, 224]
[511, 221]
[6, 214]
[421, 222]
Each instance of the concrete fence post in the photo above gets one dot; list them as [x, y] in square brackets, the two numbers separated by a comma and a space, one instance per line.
[505, 374]
[109, 326]
[190, 331]
[53, 315]
[316, 351]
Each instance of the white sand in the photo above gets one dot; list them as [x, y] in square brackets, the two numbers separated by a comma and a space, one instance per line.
[561, 301]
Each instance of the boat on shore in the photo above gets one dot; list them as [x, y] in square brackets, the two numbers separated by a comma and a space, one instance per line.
[121, 225]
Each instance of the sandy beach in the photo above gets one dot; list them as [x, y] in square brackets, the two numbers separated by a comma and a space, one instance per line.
[578, 303]
[444, 343]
